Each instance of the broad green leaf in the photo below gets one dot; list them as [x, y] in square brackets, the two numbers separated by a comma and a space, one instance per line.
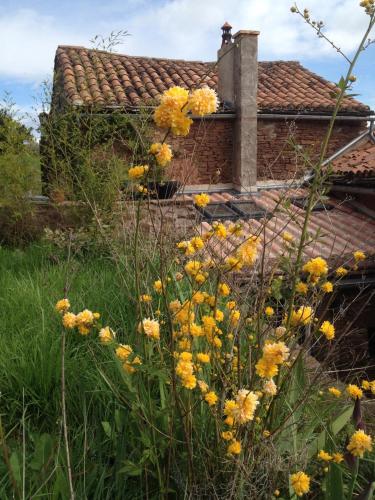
[334, 483]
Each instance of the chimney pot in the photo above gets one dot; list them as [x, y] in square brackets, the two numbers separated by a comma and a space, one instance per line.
[227, 33]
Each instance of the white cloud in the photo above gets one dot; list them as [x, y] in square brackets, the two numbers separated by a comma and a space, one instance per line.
[28, 42]
[174, 28]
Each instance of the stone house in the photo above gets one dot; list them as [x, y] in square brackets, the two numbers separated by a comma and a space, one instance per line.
[264, 106]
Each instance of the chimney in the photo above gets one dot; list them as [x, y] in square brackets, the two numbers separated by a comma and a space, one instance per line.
[238, 82]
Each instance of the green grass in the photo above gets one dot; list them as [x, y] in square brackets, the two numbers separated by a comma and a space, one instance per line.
[31, 282]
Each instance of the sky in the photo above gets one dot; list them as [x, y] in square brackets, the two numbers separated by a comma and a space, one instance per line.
[30, 31]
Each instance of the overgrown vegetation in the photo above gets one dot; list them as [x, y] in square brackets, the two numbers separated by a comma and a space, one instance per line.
[140, 366]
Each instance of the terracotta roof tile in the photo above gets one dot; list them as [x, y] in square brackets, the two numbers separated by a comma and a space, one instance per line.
[283, 85]
[342, 229]
[358, 161]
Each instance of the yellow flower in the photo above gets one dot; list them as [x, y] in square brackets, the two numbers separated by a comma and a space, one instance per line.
[180, 124]
[234, 317]
[211, 398]
[233, 263]
[301, 287]
[197, 243]
[280, 331]
[123, 352]
[266, 368]
[203, 101]
[203, 357]
[231, 305]
[236, 229]
[266, 433]
[145, 298]
[202, 386]
[300, 483]
[142, 189]
[106, 335]
[276, 493]
[277, 352]
[337, 457]
[128, 368]
[234, 448]
[223, 289]
[62, 305]
[359, 443]
[227, 435]
[201, 200]
[270, 388]
[96, 315]
[198, 298]
[247, 252]
[327, 287]
[176, 96]
[220, 230]
[316, 267]
[341, 271]
[269, 311]
[69, 320]
[83, 329]
[85, 318]
[192, 267]
[354, 391]
[365, 384]
[334, 391]
[163, 153]
[323, 455]
[138, 171]
[287, 236]
[158, 286]
[303, 316]
[359, 255]
[150, 327]
[189, 382]
[243, 407]
[328, 330]
[219, 315]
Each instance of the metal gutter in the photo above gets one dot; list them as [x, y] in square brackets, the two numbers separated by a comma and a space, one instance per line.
[276, 116]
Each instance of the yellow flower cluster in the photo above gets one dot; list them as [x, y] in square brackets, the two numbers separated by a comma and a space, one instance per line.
[203, 101]
[359, 255]
[300, 483]
[62, 305]
[247, 252]
[341, 271]
[274, 354]
[316, 267]
[150, 327]
[190, 247]
[359, 443]
[176, 103]
[137, 172]
[302, 317]
[328, 330]
[83, 321]
[185, 370]
[327, 287]
[242, 408]
[334, 391]
[354, 391]
[162, 152]
[201, 200]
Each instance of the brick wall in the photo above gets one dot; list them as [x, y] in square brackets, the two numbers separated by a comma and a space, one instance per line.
[276, 157]
[205, 155]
